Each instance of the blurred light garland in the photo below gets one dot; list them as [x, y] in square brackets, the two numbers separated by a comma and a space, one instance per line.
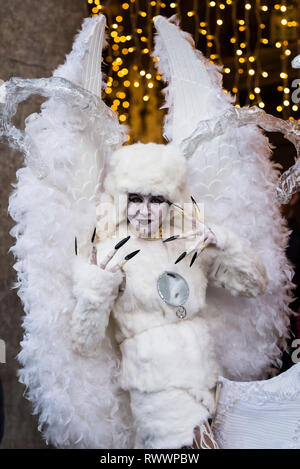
[260, 42]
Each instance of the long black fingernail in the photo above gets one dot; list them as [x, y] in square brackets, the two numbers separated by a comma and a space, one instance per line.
[131, 255]
[180, 257]
[93, 237]
[122, 242]
[171, 238]
[194, 258]
[75, 246]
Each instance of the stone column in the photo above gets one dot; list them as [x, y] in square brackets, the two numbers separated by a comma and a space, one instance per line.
[35, 36]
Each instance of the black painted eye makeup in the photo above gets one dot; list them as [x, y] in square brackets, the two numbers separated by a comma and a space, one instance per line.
[135, 198]
[157, 199]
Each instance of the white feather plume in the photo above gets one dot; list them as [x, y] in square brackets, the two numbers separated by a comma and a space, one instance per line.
[233, 177]
[78, 399]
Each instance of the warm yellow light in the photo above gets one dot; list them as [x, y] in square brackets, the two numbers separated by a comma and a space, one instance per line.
[173, 5]
[144, 39]
[114, 34]
[108, 90]
[148, 76]
[222, 6]
[265, 40]
[264, 8]
[190, 13]
[251, 71]
[251, 96]
[212, 4]
[145, 51]
[128, 37]
[284, 21]
[251, 58]
[122, 118]
[287, 52]
[139, 30]
[142, 73]
[278, 44]
[295, 107]
[261, 104]
[242, 28]
[158, 77]
[116, 102]
[115, 68]
[219, 22]
[242, 45]
[124, 51]
[280, 88]
[229, 2]
[257, 89]
[265, 74]
[202, 24]
[121, 94]
[143, 14]
[90, 1]
[209, 44]
[119, 19]
[227, 70]
[125, 104]
[150, 85]
[125, 6]
[242, 60]
[233, 40]
[234, 90]
[277, 7]
[262, 26]
[283, 8]
[279, 108]
[130, 49]
[213, 56]
[240, 71]
[242, 22]
[95, 10]
[203, 31]
[126, 83]
[153, 3]
[239, 52]
[146, 98]
[286, 102]
[248, 6]
[283, 75]
[136, 84]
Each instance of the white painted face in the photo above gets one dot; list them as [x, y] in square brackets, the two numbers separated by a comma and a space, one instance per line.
[146, 213]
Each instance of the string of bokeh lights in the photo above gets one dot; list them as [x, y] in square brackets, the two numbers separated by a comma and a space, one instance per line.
[130, 65]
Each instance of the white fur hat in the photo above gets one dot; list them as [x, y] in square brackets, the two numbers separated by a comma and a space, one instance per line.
[149, 168]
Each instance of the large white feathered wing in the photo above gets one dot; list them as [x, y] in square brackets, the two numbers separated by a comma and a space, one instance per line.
[235, 179]
[78, 400]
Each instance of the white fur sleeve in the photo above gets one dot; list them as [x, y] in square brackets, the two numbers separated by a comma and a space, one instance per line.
[235, 266]
[95, 290]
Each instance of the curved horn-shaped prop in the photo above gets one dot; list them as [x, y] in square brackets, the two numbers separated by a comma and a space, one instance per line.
[92, 76]
[194, 81]
[207, 130]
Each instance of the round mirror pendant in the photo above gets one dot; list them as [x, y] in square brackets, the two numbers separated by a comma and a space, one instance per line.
[181, 312]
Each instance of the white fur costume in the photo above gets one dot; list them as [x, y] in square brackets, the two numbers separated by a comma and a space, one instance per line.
[67, 150]
[169, 365]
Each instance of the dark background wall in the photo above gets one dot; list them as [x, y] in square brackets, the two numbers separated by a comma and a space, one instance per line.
[35, 35]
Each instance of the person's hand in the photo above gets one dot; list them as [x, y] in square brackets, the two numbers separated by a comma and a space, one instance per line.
[204, 237]
[104, 263]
